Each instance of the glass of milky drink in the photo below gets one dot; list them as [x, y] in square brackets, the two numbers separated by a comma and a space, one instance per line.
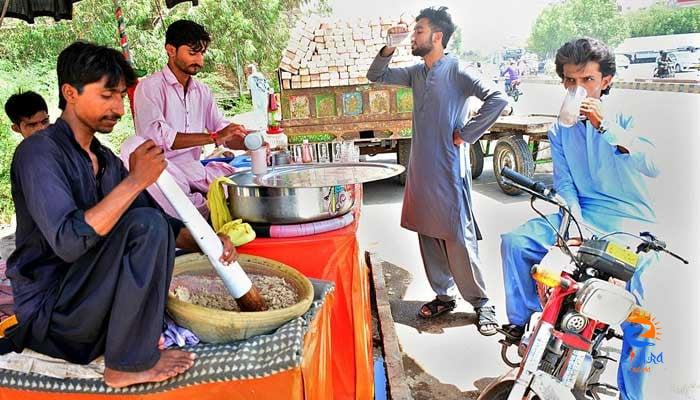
[570, 112]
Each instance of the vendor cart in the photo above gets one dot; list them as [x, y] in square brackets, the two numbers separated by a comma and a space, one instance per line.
[513, 141]
[518, 142]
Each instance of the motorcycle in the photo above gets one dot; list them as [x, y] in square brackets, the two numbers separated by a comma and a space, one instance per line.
[663, 69]
[563, 356]
[513, 90]
[510, 89]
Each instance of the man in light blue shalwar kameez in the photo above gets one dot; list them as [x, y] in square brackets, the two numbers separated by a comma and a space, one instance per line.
[600, 169]
[437, 200]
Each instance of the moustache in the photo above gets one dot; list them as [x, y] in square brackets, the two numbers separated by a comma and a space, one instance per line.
[196, 66]
[113, 118]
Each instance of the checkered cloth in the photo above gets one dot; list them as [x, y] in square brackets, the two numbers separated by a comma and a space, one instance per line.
[256, 357]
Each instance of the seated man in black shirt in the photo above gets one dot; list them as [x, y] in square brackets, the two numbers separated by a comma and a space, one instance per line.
[94, 255]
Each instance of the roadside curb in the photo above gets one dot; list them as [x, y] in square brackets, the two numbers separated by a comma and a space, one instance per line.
[666, 85]
[397, 387]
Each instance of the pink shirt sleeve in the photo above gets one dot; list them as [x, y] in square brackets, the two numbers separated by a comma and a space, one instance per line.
[149, 118]
[215, 120]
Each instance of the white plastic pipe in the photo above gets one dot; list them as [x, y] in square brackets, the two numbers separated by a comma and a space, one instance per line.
[233, 276]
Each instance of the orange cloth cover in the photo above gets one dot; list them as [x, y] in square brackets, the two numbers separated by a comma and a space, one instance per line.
[333, 256]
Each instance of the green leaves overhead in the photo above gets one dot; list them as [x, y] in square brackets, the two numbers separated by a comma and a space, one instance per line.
[602, 20]
[562, 22]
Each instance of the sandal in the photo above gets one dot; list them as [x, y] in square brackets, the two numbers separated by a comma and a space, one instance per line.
[436, 307]
[513, 333]
[486, 320]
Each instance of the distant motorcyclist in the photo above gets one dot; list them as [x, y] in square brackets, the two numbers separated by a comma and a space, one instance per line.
[512, 76]
[663, 65]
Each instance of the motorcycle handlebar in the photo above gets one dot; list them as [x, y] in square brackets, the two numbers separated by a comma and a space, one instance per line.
[522, 180]
[539, 189]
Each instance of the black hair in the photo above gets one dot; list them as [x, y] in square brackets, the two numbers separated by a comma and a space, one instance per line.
[83, 63]
[440, 21]
[581, 51]
[187, 33]
[24, 105]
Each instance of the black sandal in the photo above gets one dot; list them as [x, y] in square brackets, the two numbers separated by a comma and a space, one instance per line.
[486, 320]
[513, 333]
[436, 307]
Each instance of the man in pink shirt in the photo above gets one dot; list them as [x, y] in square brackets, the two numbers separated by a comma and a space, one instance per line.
[180, 115]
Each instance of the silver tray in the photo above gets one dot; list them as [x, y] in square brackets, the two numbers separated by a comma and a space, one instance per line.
[320, 175]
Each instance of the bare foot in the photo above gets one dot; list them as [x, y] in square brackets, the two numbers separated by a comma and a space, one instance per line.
[171, 363]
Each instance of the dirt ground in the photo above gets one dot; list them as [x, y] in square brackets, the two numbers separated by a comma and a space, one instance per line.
[424, 386]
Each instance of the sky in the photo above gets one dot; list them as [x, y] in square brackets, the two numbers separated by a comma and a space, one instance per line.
[487, 25]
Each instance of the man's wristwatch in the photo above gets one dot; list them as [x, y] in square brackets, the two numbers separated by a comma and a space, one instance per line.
[603, 126]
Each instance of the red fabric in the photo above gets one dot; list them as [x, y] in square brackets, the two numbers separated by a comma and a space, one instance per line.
[334, 256]
[130, 93]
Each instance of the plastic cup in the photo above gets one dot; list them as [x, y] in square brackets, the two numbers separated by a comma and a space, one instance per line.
[258, 161]
[571, 107]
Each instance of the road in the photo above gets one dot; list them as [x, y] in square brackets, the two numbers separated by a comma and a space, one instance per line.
[455, 353]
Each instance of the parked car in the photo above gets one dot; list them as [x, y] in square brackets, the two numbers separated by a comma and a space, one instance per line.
[684, 60]
[644, 57]
[622, 61]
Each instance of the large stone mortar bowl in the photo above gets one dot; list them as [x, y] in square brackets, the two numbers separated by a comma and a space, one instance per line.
[220, 326]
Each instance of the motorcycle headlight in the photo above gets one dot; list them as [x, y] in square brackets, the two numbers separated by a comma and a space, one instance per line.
[604, 302]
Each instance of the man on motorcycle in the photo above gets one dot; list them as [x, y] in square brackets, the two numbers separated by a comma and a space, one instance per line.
[663, 65]
[512, 76]
[599, 168]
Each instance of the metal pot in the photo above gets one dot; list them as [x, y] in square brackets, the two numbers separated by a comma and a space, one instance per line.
[280, 158]
[255, 203]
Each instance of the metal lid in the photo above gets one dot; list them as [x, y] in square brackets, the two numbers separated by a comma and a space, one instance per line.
[318, 175]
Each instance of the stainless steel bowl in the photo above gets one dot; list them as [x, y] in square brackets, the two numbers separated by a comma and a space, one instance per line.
[301, 193]
[255, 203]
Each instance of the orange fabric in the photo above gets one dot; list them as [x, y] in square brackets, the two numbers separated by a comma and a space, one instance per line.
[309, 381]
[334, 256]
[316, 367]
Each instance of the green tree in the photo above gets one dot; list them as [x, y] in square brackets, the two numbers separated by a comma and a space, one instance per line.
[662, 20]
[242, 32]
[455, 44]
[562, 22]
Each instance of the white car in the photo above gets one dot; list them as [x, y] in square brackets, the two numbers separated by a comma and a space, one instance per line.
[622, 61]
[684, 60]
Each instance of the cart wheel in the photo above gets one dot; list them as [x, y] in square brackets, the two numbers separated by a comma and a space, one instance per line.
[476, 159]
[512, 152]
[403, 153]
